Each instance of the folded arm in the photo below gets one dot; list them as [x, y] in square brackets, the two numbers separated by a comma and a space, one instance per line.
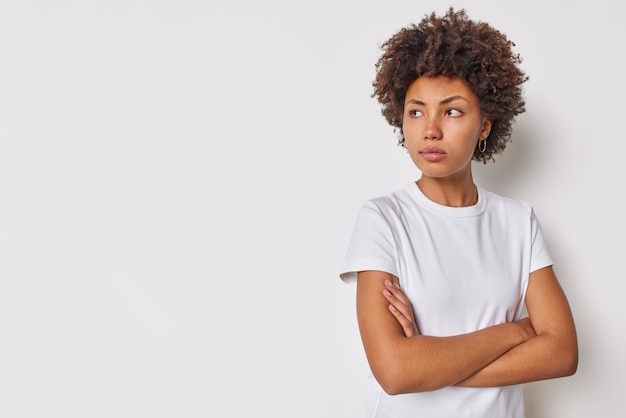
[422, 363]
[552, 353]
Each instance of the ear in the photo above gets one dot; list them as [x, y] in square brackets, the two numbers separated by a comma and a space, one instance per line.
[485, 128]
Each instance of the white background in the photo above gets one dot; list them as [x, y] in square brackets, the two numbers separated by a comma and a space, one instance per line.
[179, 180]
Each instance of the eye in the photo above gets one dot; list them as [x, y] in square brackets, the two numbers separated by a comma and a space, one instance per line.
[455, 113]
[415, 113]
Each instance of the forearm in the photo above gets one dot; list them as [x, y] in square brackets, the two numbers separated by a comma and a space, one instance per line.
[545, 356]
[424, 363]
[552, 353]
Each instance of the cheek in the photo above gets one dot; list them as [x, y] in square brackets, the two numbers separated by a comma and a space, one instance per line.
[411, 131]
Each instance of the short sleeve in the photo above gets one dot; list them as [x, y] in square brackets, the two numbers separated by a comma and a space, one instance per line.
[540, 257]
[371, 246]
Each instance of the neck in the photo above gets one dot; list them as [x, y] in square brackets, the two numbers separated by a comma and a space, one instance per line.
[449, 192]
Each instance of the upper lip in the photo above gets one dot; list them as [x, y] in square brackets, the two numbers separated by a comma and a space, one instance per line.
[432, 150]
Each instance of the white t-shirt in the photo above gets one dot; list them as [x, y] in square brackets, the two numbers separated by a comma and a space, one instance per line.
[463, 269]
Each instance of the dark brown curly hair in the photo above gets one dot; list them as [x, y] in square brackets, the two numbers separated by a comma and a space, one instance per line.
[454, 46]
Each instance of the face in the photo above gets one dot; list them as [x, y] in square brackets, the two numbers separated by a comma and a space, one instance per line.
[442, 124]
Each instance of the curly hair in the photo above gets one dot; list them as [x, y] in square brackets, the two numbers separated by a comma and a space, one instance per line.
[454, 46]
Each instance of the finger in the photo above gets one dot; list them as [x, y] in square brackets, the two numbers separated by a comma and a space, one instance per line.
[392, 298]
[405, 309]
[395, 289]
[407, 326]
[397, 294]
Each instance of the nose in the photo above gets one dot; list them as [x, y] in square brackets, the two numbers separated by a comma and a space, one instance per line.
[432, 130]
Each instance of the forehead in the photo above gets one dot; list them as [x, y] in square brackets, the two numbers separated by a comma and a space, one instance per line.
[435, 89]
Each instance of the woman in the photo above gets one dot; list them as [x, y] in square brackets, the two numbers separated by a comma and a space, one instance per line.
[443, 267]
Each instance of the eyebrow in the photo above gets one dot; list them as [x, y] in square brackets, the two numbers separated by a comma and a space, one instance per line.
[443, 102]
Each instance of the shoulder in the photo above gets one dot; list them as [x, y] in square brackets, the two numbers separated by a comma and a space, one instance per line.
[508, 206]
[388, 205]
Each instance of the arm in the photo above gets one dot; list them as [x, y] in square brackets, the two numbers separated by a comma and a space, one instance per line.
[552, 353]
[422, 363]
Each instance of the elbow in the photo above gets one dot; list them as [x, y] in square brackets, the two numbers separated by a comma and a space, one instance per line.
[562, 360]
[571, 364]
[392, 386]
[388, 371]
[389, 379]
[399, 370]
[395, 381]
[571, 360]
[568, 362]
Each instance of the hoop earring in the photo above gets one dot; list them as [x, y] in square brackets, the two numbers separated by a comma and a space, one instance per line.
[482, 144]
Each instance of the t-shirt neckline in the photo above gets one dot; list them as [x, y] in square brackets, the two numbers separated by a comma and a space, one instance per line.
[451, 211]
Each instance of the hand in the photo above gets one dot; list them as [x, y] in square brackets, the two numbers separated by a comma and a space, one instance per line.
[401, 308]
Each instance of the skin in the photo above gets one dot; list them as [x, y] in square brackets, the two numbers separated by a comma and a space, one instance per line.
[444, 113]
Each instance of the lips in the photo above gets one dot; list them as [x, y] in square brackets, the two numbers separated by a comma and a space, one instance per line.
[433, 154]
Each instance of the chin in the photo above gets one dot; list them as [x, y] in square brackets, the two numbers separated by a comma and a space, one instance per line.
[442, 171]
